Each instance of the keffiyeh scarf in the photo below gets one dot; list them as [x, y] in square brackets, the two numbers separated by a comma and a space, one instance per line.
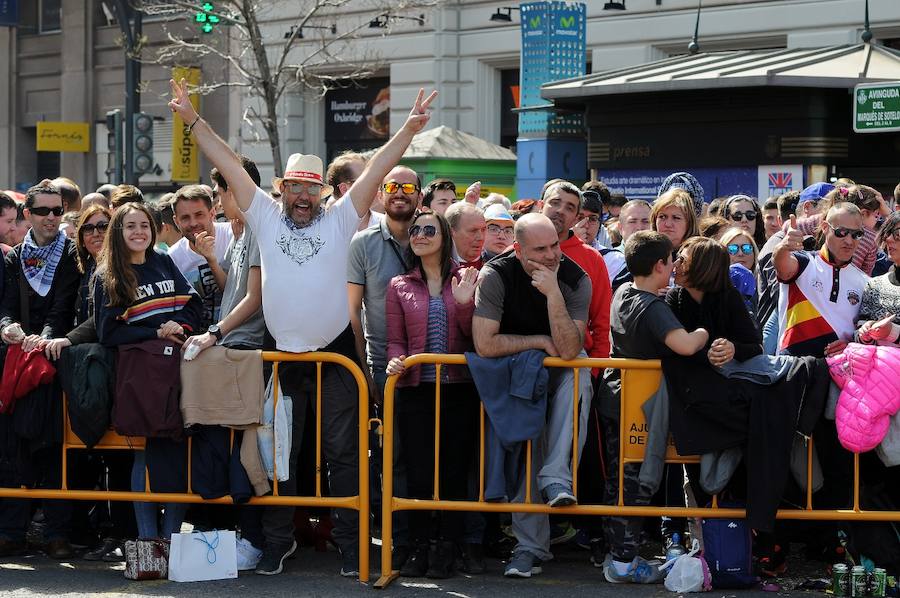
[39, 262]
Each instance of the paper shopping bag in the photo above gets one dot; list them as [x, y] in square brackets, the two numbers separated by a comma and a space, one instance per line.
[203, 556]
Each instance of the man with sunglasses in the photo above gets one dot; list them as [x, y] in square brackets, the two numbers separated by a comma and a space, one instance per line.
[303, 251]
[820, 291]
[41, 270]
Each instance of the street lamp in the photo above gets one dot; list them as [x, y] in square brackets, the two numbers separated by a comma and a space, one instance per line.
[382, 20]
[290, 32]
[500, 17]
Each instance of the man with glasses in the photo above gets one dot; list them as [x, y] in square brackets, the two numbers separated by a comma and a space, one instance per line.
[820, 291]
[499, 232]
[42, 272]
[304, 251]
[439, 195]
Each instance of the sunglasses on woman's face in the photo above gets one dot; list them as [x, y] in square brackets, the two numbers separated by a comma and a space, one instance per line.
[842, 231]
[745, 248]
[750, 215]
[45, 211]
[100, 227]
[429, 230]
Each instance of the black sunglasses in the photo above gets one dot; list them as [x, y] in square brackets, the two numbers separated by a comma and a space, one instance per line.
[429, 230]
[100, 227]
[44, 211]
[842, 231]
[738, 216]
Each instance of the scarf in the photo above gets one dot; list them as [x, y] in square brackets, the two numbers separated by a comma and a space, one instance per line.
[39, 263]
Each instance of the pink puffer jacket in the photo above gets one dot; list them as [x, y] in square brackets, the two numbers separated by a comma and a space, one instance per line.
[870, 393]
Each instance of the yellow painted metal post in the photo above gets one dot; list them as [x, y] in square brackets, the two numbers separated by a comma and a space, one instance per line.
[437, 432]
[622, 396]
[387, 488]
[576, 396]
[319, 428]
[275, 382]
[481, 456]
[809, 473]
[528, 472]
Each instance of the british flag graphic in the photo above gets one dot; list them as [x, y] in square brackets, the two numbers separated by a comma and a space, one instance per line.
[780, 182]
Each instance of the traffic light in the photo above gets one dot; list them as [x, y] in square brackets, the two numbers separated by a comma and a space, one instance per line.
[142, 147]
[206, 18]
[115, 146]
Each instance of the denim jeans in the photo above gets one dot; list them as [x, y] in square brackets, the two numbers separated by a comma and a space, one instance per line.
[147, 513]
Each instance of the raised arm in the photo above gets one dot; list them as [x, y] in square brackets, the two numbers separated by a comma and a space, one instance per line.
[363, 191]
[213, 147]
[786, 263]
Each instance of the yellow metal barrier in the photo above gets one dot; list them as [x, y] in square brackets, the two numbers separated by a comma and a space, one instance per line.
[359, 502]
[640, 380]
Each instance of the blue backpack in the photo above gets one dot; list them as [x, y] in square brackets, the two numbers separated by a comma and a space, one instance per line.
[727, 548]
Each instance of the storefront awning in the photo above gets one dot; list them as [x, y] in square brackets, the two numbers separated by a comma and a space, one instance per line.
[832, 67]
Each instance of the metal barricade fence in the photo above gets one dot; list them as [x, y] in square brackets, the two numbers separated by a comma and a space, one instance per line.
[639, 381]
[359, 502]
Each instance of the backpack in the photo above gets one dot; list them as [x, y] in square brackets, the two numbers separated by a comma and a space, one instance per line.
[727, 548]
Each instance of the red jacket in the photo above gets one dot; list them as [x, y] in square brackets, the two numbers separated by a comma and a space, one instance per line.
[406, 312]
[22, 373]
[596, 341]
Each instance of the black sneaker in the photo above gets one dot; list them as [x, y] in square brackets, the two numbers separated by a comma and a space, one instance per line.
[349, 563]
[472, 559]
[417, 563]
[441, 560]
[272, 561]
[399, 556]
[598, 553]
[107, 546]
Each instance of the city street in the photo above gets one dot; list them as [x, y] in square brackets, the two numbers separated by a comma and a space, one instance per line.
[315, 574]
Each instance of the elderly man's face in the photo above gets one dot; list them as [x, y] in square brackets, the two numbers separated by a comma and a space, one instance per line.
[468, 236]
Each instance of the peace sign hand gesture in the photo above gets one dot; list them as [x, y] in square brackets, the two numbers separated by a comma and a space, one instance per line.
[418, 116]
[181, 103]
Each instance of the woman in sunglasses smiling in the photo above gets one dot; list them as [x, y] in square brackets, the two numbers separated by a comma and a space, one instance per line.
[429, 310]
[743, 253]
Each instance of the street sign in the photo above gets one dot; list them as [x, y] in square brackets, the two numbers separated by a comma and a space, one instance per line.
[185, 157]
[876, 107]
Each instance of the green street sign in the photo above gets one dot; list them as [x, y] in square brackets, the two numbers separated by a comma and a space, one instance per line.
[876, 107]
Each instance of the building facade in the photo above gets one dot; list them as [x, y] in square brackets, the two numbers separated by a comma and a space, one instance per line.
[63, 63]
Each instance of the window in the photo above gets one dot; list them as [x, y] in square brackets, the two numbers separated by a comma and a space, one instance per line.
[40, 16]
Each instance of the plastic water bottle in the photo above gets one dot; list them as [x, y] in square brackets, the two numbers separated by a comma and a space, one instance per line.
[676, 549]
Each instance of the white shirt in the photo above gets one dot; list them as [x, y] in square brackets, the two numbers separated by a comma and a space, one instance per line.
[304, 272]
[198, 273]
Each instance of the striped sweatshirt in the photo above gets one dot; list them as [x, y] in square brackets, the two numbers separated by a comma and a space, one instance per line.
[163, 294]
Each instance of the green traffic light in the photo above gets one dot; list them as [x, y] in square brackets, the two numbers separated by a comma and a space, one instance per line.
[207, 28]
[200, 17]
[214, 19]
[208, 7]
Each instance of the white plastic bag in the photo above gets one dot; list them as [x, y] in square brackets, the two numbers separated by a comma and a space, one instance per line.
[276, 431]
[688, 573]
[203, 556]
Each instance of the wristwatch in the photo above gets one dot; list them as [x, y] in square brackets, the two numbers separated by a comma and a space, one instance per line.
[215, 331]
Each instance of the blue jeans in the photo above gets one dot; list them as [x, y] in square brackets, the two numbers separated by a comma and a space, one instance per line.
[770, 332]
[147, 513]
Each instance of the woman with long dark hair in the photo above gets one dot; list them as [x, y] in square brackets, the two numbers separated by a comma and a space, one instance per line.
[140, 295]
[429, 310]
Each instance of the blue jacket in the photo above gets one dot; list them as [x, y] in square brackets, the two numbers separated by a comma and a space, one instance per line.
[513, 390]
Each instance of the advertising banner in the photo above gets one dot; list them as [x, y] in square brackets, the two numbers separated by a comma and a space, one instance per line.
[185, 157]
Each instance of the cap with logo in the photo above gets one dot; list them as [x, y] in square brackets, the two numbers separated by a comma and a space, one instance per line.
[815, 192]
[497, 213]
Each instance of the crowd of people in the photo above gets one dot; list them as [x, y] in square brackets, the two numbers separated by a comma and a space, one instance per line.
[743, 300]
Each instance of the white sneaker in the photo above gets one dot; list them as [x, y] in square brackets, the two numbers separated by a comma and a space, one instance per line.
[248, 556]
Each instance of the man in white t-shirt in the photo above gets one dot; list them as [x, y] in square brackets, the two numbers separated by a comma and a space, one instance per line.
[304, 250]
[198, 253]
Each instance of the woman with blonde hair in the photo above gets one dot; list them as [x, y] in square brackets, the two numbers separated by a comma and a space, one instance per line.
[673, 215]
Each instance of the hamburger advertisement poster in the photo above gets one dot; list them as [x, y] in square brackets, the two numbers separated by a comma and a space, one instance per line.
[360, 111]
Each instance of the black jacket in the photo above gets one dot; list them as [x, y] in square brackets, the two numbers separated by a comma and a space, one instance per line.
[87, 375]
[51, 316]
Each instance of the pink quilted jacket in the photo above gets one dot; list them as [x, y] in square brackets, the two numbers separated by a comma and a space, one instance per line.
[870, 393]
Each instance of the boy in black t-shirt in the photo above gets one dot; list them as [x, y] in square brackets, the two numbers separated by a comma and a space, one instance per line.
[642, 327]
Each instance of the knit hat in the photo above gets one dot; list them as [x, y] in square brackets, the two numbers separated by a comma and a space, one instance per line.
[686, 181]
[815, 192]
